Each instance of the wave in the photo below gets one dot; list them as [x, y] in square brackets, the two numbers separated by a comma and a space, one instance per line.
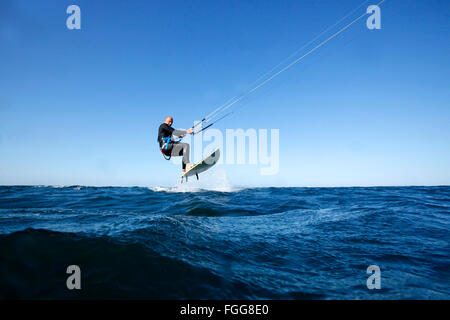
[34, 264]
[191, 189]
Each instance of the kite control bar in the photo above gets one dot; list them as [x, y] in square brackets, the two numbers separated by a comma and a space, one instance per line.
[209, 125]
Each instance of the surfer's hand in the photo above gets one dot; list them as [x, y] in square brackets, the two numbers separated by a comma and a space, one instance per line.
[190, 131]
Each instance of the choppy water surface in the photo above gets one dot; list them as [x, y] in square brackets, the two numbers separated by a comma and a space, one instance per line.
[262, 243]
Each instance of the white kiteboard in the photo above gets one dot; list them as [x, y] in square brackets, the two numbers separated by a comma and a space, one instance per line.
[203, 165]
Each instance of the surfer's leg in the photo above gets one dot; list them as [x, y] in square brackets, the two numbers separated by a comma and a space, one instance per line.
[186, 151]
[181, 149]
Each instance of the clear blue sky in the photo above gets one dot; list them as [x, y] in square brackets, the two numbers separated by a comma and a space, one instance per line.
[83, 106]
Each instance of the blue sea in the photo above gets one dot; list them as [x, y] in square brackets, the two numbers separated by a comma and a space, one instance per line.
[241, 243]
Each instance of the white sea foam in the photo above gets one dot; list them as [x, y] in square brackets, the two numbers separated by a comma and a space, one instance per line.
[74, 187]
[214, 180]
[160, 189]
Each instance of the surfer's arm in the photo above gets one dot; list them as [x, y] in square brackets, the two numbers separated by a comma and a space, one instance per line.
[179, 133]
[182, 133]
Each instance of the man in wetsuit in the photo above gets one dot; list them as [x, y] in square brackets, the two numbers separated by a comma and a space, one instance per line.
[173, 148]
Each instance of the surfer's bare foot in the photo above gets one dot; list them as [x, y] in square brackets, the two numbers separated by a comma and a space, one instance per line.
[188, 166]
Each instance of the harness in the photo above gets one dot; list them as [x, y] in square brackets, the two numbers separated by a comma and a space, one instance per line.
[165, 145]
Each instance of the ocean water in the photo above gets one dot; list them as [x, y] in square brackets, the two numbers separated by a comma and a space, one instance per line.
[248, 243]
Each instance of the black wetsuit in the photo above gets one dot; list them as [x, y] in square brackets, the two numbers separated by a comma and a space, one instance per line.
[165, 131]
[174, 148]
